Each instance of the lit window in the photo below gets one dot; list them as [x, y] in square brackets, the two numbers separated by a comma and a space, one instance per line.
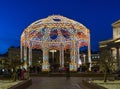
[98, 57]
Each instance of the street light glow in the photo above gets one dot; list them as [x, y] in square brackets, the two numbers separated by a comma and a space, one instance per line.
[53, 51]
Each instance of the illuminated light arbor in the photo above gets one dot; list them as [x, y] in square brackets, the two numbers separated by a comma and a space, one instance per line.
[57, 33]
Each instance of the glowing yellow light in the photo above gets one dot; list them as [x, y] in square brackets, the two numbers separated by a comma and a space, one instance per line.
[103, 46]
[117, 41]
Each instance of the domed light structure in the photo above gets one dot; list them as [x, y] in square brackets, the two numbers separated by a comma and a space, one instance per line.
[58, 33]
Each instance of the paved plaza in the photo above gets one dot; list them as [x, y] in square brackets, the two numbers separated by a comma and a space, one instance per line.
[56, 83]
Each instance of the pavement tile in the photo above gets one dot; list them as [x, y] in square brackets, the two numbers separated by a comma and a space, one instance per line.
[56, 83]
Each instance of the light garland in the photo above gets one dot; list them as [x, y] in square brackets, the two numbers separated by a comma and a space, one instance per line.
[58, 33]
[63, 28]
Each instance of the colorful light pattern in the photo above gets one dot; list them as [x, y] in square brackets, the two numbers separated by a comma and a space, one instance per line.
[59, 33]
[57, 27]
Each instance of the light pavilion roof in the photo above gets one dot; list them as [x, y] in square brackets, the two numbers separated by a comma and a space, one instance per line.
[55, 30]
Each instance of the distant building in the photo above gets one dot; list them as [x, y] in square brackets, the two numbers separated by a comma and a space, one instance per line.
[95, 59]
[113, 46]
[14, 53]
[2, 63]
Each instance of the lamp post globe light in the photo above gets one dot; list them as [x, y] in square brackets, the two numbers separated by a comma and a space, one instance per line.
[55, 33]
[53, 51]
[84, 58]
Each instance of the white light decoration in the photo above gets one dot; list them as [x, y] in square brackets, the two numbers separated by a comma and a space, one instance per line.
[79, 62]
[84, 58]
[55, 33]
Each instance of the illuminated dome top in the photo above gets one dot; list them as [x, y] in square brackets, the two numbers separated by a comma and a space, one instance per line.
[55, 30]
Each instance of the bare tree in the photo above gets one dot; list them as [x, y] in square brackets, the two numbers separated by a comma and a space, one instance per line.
[106, 63]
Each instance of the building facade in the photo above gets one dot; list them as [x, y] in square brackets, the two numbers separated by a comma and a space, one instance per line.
[95, 59]
[112, 46]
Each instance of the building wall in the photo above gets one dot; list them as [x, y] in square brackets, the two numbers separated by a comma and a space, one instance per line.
[116, 29]
[113, 47]
[14, 53]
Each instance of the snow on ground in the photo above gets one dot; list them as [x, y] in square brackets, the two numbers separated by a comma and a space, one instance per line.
[109, 84]
[4, 84]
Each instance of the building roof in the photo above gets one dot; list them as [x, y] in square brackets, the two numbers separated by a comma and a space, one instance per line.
[117, 23]
[105, 41]
[111, 42]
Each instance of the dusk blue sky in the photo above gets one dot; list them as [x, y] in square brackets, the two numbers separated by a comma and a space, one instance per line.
[96, 15]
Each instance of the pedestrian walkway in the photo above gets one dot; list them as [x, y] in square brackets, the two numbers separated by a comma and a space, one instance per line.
[56, 83]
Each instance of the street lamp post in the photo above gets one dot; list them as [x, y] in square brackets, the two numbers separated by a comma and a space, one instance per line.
[53, 51]
[84, 57]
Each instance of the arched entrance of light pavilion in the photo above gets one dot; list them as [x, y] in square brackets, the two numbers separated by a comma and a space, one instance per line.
[55, 32]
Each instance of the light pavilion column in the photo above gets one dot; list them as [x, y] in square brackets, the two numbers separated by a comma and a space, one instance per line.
[45, 49]
[45, 65]
[30, 53]
[61, 48]
[73, 65]
[77, 53]
[89, 52]
[21, 52]
[61, 55]
[25, 51]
